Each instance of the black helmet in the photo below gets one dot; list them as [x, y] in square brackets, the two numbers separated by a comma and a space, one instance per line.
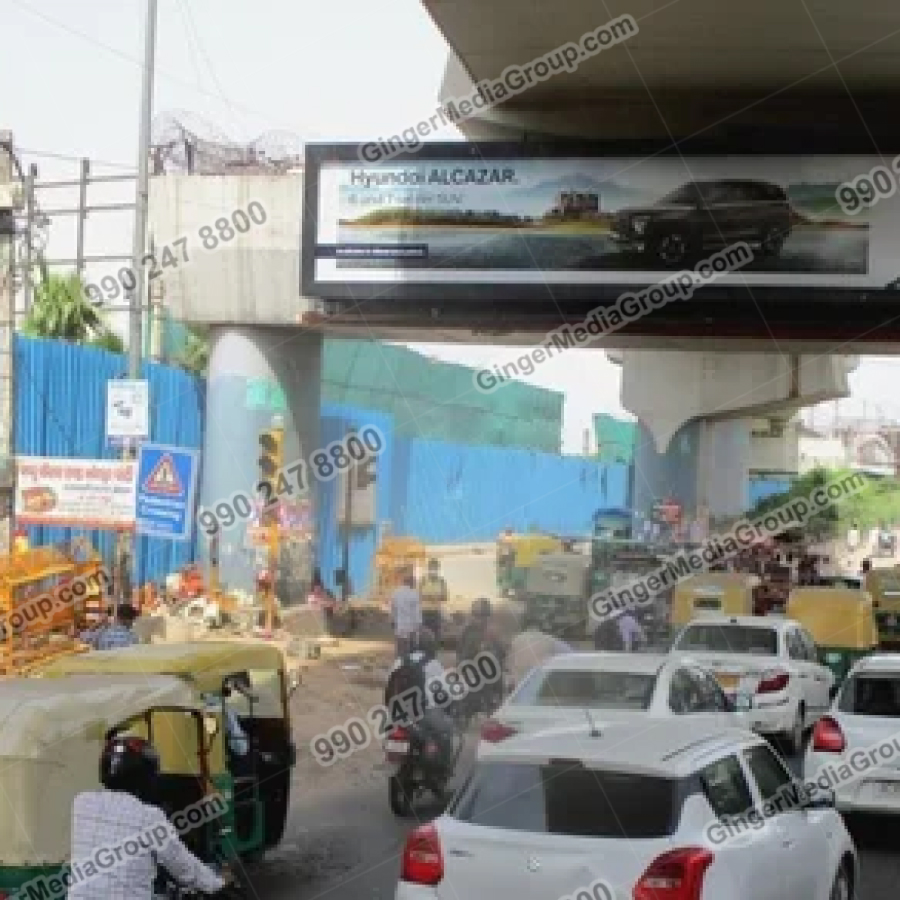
[427, 643]
[131, 765]
[481, 608]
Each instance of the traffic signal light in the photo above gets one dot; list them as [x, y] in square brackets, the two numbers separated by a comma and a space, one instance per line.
[271, 458]
[271, 461]
[365, 473]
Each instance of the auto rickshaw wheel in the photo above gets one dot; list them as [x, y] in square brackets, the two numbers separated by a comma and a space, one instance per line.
[399, 798]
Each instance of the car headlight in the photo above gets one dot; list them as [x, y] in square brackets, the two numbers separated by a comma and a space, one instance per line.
[639, 226]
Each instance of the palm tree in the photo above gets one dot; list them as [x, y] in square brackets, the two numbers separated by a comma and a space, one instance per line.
[62, 311]
[193, 356]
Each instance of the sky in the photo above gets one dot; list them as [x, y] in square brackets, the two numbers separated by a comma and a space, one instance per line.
[343, 70]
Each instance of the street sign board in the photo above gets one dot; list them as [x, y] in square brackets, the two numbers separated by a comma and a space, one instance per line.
[362, 501]
[127, 410]
[166, 487]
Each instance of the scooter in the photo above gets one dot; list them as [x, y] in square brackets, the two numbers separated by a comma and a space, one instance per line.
[418, 764]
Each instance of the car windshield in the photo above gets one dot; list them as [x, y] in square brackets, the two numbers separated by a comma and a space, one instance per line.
[729, 639]
[586, 689]
[566, 798]
[872, 695]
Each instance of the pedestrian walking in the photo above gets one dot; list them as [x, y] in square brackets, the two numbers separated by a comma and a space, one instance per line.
[406, 614]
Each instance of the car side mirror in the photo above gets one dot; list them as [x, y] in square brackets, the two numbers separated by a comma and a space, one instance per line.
[821, 798]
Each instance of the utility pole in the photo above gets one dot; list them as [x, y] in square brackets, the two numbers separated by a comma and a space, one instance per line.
[136, 296]
[8, 203]
[349, 479]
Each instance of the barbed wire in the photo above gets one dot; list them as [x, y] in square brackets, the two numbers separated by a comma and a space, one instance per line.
[185, 143]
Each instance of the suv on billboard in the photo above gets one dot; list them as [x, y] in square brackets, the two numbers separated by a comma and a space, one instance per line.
[706, 215]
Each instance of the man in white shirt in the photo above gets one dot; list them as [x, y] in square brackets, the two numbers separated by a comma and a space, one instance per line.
[118, 837]
[406, 614]
[631, 631]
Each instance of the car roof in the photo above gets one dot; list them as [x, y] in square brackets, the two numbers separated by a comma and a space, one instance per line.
[744, 621]
[649, 663]
[879, 662]
[665, 747]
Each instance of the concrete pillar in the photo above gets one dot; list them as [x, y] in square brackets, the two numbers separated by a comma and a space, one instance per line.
[255, 374]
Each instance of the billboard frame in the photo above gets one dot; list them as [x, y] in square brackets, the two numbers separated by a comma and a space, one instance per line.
[769, 142]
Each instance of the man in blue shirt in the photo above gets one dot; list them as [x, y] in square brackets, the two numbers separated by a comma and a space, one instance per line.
[118, 634]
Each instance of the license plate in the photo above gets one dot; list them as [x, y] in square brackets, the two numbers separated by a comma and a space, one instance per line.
[727, 682]
[889, 788]
[397, 746]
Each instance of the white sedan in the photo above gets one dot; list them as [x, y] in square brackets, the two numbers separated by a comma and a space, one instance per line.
[773, 659]
[664, 810]
[855, 749]
[611, 687]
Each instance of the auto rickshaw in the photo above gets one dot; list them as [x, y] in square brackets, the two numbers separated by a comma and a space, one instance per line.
[713, 593]
[525, 550]
[841, 621]
[251, 681]
[52, 734]
[884, 587]
[556, 595]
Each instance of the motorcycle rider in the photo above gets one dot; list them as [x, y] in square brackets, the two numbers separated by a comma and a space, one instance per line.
[122, 815]
[421, 671]
[482, 636]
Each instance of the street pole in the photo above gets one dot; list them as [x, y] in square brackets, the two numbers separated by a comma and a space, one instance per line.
[348, 522]
[136, 296]
[7, 347]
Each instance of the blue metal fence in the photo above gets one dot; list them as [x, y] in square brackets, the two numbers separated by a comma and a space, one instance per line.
[761, 488]
[61, 411]
[436, 491]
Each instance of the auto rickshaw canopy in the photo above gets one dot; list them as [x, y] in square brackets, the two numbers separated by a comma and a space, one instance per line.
[51, 738]
[835, 617]
[713, 593]
[204, 665]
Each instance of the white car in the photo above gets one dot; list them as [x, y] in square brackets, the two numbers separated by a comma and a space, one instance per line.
[855, 748]
[611, 687]
[630, 811]
[771, 658]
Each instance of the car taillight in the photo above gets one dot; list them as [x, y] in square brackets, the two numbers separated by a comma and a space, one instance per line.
[493, 731]
[423, 862]
[827, 736]
[396, 746]
[772, 682]
[676, 875]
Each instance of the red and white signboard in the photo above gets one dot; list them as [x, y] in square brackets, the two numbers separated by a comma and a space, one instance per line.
[80, 493]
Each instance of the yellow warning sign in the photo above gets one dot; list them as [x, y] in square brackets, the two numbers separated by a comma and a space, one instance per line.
[164, 479]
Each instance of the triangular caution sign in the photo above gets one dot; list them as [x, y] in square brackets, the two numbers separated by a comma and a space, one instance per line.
[164, 479]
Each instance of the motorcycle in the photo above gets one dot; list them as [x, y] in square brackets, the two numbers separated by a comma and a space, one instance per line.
[167, 888]
[418, 763]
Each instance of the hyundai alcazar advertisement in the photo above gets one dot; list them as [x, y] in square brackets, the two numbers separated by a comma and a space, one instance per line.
[599, 221]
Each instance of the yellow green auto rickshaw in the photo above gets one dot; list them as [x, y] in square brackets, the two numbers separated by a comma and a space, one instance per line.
[52, 733]
[714, 593]
[840, 620]
[884, 586]
[248, 680]
[516, 554]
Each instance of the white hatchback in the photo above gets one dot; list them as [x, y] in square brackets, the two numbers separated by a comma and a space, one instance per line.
[612, 687]
[661, 810]
[855, 748]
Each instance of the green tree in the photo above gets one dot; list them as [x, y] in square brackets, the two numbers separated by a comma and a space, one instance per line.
[193, 356]
[62, 311]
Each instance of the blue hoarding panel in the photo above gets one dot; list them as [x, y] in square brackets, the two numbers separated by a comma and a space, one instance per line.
[167, 485]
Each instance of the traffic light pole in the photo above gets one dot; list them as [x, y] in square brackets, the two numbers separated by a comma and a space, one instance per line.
[271, 461]
[348, 524]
